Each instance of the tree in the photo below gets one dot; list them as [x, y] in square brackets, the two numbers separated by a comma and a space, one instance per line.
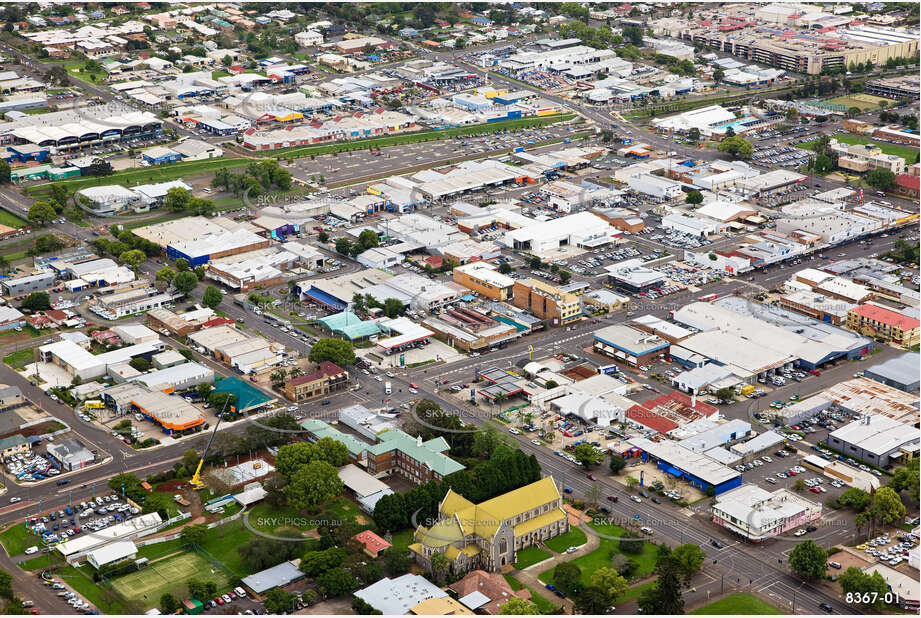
[165, 274]
[177, 199]
[337, 351]
[337, 582]
[185, 281]
[630, 543]
[194, 534]
[315, 563]
[36, 301]
[485, 441]
[617, 464]
[439, 564]
[343, 246]
[181, 264]
[866, 589]
[6, 585]
[363, 608]
[887, 507]
[505, 268]
[41, 213]
[393, 307]
[212, 297]
[291, 457]
[856, 499]
[664, 597]
[140, 363]
[368, 239]
[587, 455]
[736, 146]
[132, 258]
[694, 134]
[99, 167]
[718, 75]
[567, 576]
[168, 603]
[534, 262]
[565, 276]
[633, 35]
[519, 606]
[822, 164]
[799, 485]
[396, 561]
[5, 172]
[906, 477]
[277, 601]
[689, 558]
[609, 581]
[808, 560]
[313, 485]
[694, 197]
[881, 179]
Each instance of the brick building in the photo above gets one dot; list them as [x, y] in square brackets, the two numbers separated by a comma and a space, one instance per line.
[328, 378]
[547, 302]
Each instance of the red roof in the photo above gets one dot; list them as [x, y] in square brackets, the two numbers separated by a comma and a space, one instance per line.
[372, 542]
[650, 419]
[325, 369]
[435, 260]
[57, 315]
[218, 321]
[886, 316]
[908, 181]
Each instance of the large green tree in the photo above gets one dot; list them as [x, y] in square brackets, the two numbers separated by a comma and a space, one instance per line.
[185, 281]
[337, 351]
[313, 484]
[665, 596]
[864, 588]
[212, 297]
[516, 606]
[881, 179]
[808, 560]
[689, 558]
[567, 576]
[736, 146]
[587, 455]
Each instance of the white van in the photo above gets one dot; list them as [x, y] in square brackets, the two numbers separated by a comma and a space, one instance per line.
[388, 389]
[31, 550]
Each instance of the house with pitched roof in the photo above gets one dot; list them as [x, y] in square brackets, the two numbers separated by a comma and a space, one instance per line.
[489, 535]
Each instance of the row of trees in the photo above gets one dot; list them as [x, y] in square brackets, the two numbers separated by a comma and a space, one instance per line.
[368, 239]
[180, 200]
[254, 180]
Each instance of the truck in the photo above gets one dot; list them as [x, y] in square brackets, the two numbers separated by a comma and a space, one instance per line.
[388, 389]
[519, 149]
[93, 404]
[180, 500]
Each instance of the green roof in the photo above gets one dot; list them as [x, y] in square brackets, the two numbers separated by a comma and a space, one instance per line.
[248, 397]
[321, 429]
[429, 452]
[349, 325]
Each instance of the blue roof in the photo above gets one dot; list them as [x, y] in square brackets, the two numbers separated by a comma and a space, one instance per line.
[248, 397]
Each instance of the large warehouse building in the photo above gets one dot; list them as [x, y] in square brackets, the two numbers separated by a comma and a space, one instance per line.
[697, 469]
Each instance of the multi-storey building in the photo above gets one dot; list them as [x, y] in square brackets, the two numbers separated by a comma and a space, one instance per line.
[489, 535]
[883, 323]
[865, 157]
[484, 279]
[400, 453]
[757, 514]
[328, 378]
[546, 301]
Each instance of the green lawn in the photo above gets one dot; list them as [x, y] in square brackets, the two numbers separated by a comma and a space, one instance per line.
[8, 218]
[906, 152]
[574, 538]
[529, 556]
[222, 543]
[402, 539]
[20, 358]
[102, 597]
[601, 557]
[411, 138]
[17, 538]
[634, 592]
[42, 562]
[545, 606]
[738, 604]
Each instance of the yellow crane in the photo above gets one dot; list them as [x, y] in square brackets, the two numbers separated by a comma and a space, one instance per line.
[196, 481]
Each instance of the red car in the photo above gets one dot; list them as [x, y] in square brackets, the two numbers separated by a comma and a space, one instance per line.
[792, 472]
[815, 490]
[219, 600]
[413, 385]
[592, 477]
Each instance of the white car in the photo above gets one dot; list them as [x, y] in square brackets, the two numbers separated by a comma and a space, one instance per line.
[514, 432]
[535, 442]
[15, 499]
[800, 532]
[413, 391]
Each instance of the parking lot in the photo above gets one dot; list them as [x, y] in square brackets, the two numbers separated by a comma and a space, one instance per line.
[92, 516]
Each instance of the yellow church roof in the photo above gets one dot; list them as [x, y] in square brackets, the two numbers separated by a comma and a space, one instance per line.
[539, 522]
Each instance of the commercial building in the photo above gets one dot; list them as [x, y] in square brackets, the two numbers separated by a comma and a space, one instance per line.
[277, 576]
[692, 226]
[546, 301]
[245, 271]
[632, 276]
[489, 535]
[131, 299]
[166, 322]
[875, 439]
[470, 329]
[902, 87]
[71, 454]
[112, 553]
[80, 363]
[655, 186]
[27, 284]
[328, 378]
[629, 345]
[815, 305]
[178, 377]
[900, 372]
[484, 279]
[698, 469]
[173, 414]
[676, 415]
[884, 324]
[138, 527]
[581, 229]
[757, 515]
[863, 396]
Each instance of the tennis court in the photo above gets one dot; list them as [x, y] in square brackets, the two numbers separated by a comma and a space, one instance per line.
[167, 575]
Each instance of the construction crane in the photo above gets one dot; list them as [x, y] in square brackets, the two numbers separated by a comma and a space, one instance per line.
[196, 481]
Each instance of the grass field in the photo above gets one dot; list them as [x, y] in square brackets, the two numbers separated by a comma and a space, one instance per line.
[865, 102]
[164, 575]
[738, 604]
[545, 606]
[529, 556]
[8, 218]
[574, 538]
[18, 360]
[108, 602]
[906, 152]
[601, 557]
[17, 538]
[42, 562]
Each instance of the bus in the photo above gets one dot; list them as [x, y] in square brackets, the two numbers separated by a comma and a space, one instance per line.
[93, 404]
[707, 298]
